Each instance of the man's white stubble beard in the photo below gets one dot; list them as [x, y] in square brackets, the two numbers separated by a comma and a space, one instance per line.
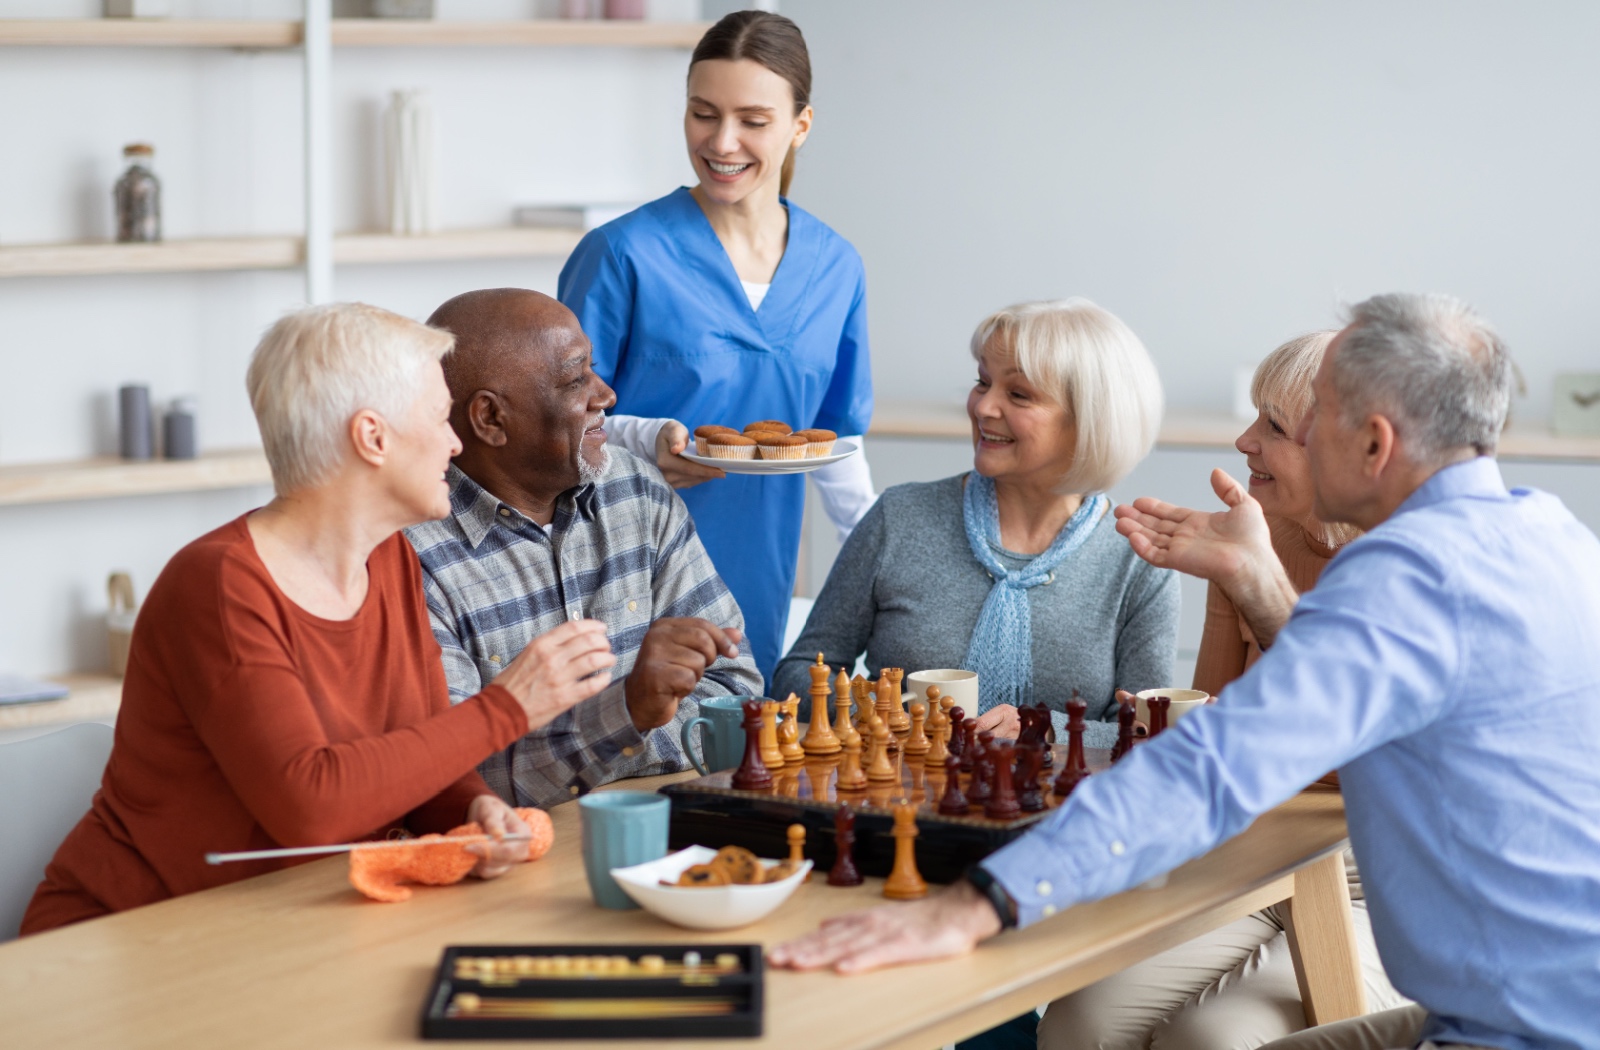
[590, 473]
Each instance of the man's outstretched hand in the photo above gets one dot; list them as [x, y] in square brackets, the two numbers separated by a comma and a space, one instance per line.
[1232, 548]
[673, 656]
[948, 923]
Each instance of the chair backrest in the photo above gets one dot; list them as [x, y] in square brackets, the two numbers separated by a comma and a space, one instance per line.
[46, 784]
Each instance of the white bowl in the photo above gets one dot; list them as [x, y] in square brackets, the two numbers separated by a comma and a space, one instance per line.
[702, 907]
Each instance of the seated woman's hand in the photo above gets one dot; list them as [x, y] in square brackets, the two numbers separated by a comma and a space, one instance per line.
[1002, 720]
[499, 821]
[558, 670]
[672, 440]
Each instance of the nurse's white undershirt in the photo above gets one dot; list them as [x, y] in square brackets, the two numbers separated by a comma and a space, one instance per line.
[755, 292]
[845, 487]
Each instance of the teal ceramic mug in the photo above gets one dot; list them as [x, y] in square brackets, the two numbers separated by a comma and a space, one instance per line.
[721, 721]
[620, 829]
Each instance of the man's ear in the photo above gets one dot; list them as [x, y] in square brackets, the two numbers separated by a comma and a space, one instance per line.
[370, 436]
[486, 415]
[1380, 439]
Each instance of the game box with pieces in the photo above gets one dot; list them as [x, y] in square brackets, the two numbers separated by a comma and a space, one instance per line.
[589, 991]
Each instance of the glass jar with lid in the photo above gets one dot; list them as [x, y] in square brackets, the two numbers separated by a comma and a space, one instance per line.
[138, 195]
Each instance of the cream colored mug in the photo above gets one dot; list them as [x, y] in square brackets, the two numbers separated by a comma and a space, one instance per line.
[960, 686]
[1183, 701]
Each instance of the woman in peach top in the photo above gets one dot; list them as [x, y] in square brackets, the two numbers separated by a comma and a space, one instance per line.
[1235, 988]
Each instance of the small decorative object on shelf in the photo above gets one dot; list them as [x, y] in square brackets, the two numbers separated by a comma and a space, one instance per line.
[633, 9]
[138, 8]
[133, 422]
[580, 8]
[400, 8]
[1575, 412]
[138, 196]
[410, 144]
[177, 430]
[119, 620]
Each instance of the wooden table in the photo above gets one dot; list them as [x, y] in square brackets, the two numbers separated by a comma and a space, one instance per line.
[297, 957]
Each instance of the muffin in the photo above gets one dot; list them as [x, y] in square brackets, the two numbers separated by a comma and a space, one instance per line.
[701, 433]
[819, 442]
[781, 446]
[730, 446]
[771, 425]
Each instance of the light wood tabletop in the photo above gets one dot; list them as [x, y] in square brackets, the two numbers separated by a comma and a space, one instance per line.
[299, 958]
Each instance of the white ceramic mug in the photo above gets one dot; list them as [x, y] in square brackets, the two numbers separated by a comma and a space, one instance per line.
[1183, 701]
[960, 686]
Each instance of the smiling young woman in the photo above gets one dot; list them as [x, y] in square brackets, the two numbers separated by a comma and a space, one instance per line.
[725, 303]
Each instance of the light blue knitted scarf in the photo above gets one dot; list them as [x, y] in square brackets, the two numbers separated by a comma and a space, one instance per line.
[1001, 650]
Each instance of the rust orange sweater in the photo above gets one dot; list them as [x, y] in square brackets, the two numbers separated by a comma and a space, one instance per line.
[248, 723]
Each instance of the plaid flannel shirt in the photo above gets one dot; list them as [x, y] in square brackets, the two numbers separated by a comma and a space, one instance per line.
[624, 551]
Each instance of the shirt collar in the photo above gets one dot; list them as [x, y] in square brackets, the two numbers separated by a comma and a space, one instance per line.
[476, 510]
[1477, 477]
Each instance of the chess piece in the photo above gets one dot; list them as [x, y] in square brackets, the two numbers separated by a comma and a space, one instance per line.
[954, 803]
[905, 883]
[938, 749]
[917, 743]
[820, 739]
[880, 692]
[1076, 769]
[881, 769]
[844, 871]
[899, 721]
[969, 728]
[1158, 714]
[796, 836]
[771, 754]
[789, 732]
[752, 774]
[851, 775]
[1046, 734]
[1126, 713]
[981, 784]
[1002, 803]
[841, 711]
[1029, 798]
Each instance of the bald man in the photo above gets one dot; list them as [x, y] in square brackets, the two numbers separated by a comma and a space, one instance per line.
[547, 524]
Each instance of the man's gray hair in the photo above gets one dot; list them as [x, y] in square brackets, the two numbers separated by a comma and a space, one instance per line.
[1429, 363]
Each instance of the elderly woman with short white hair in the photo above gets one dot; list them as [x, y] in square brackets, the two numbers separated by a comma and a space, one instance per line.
[1015, 569]
[284, 687]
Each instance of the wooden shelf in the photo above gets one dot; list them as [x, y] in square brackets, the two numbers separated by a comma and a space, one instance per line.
[347, 32]
[1199, 430]
[93, 698]
[105, 477]
[277, 253]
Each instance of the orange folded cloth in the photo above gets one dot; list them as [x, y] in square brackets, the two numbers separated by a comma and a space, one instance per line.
[382, 874]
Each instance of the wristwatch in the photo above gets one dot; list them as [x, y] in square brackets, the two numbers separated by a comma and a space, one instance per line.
[991, 890]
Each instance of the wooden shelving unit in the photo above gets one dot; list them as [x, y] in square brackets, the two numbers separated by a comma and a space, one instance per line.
[507, 243]
[1199, 430]
[347, 32]
[106, 477]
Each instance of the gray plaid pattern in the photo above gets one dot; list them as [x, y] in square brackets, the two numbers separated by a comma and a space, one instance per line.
[624, 551]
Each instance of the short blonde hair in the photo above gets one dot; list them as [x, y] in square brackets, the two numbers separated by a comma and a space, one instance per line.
[1085, 359]
[1282, 383]
[316, 368]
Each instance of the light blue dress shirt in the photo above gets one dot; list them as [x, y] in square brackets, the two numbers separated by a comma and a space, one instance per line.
[1448, 665]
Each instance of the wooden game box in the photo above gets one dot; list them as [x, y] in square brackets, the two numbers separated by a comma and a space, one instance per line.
[596, 991]
[710, 811]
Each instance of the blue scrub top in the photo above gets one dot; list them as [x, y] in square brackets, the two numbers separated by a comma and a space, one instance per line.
[674, 335]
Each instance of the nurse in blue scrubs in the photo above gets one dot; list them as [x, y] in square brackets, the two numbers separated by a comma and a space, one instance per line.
[726, 303]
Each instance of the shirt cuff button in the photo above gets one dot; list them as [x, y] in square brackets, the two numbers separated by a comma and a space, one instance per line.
[628, 751]
[1118, 849]
[573, 789]
[1048, 910]
[1044, 888]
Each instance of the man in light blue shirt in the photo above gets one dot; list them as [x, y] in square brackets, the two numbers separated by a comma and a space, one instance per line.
[1447, 663]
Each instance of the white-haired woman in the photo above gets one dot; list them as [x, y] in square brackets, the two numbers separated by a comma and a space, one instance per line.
[284, 686]
[1235, 988]
[1015, 569]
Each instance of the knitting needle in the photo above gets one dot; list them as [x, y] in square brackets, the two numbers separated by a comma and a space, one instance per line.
[345, 847]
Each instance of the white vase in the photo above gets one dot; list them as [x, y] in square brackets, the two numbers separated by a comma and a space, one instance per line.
[408, 135]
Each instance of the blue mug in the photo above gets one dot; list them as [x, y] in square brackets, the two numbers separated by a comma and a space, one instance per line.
[621, 829]
[721, 722]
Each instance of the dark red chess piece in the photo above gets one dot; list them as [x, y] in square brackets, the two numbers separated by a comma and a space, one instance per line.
[954, 803]
[1076, 769]
[957, 742]
[1046, 758]
[844, 871]
[1029, 798]
[981, 787]
[1158, 714]
[752, 773]
[969, 749]
[1126, 713]
[1002, 804]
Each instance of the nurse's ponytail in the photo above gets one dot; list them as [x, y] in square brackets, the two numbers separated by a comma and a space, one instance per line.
[775, 42]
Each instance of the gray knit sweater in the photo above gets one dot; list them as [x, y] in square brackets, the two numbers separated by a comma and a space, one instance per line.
[906, 591]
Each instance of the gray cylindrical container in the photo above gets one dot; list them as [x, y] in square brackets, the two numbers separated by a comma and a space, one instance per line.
[177, 430]
[133, 421]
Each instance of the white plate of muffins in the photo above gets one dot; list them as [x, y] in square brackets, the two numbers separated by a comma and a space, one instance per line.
[768, 446]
